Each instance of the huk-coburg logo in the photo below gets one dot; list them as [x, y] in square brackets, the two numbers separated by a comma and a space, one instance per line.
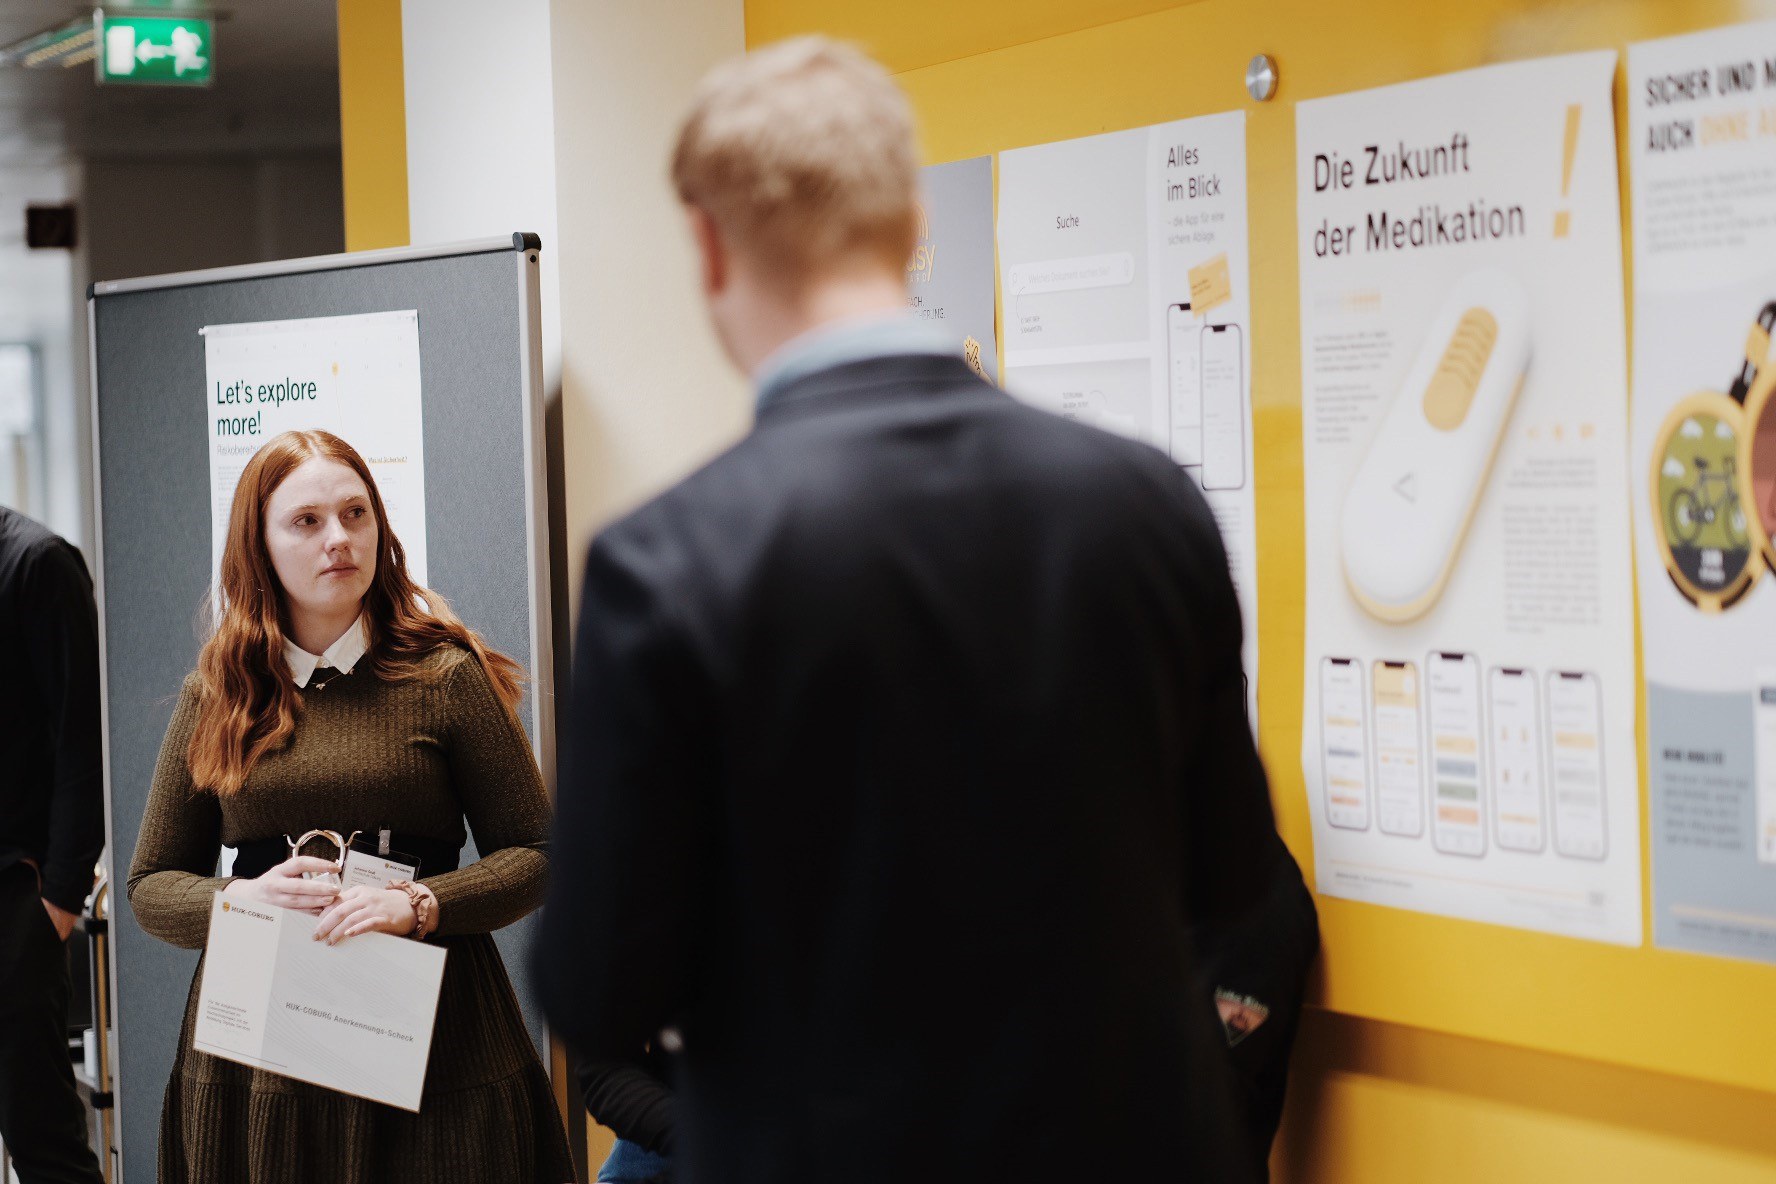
[246, 912]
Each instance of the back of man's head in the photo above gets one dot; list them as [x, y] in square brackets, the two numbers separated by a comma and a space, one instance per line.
[803, 155]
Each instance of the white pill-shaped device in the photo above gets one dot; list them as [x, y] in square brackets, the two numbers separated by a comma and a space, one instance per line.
[1408, 508]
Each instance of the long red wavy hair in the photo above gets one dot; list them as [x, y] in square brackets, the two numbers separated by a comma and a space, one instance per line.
[248, 702]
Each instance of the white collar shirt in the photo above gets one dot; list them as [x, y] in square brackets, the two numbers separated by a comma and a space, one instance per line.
[342, 655]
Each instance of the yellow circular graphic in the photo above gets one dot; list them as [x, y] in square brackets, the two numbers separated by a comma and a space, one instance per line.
[1699, 517]
[1757, 463]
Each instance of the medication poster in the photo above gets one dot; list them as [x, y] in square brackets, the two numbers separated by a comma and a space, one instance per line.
[355, 376]
[1468, 730]
[1127, 306]
[950, 276]
[1702, 160]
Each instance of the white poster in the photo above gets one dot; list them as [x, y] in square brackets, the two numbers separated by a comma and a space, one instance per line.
[354, 376]
[1127, 305]
[1702, 160]
[1468, 727]
[950, 276]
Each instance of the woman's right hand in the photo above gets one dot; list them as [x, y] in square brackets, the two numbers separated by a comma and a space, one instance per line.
[284, 886]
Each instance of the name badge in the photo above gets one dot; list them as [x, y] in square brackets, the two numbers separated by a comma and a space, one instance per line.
[374, 870]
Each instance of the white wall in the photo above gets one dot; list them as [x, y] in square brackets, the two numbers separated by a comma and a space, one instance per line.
[481, 133]
[646, 394]
[37, 308]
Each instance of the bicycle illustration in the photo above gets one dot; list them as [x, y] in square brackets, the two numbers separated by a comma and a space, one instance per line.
[1710, 498]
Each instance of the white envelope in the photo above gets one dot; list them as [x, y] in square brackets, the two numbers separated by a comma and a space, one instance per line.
[356, 1017]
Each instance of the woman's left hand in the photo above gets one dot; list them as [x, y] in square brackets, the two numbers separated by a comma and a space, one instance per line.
[362, 909]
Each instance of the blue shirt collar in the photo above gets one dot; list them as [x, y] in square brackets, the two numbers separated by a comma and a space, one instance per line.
[839, 343]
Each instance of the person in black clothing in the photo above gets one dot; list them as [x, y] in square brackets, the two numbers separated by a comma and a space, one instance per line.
[52, 828]
[906, 746]
[633, 1099]
[1255, 966]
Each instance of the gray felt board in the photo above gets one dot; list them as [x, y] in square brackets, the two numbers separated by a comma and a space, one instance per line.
[478, 335]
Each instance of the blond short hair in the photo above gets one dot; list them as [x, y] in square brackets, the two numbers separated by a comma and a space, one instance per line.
[804, 155]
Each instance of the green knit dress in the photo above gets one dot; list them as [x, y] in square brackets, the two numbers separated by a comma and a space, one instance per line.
[419, 757]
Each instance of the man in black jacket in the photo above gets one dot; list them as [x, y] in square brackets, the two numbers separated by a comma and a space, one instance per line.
[52, 828]
[907, 744]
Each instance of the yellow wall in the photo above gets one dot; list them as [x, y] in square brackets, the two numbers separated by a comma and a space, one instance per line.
[372, 124]
[1597, 1092]
[1377, 1103]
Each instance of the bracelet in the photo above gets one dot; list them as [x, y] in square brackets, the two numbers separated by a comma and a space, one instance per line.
[422, 906]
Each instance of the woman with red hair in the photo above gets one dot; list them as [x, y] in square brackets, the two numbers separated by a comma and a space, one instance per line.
[336, 693]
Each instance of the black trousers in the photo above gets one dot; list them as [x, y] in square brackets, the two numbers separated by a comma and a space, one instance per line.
[42, 1119]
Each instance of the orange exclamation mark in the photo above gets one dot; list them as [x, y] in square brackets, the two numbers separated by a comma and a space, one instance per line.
[1563, 218]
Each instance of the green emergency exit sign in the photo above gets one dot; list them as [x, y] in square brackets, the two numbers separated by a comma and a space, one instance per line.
[156, 50]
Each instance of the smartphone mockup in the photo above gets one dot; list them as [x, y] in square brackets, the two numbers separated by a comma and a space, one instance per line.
[1514, 727]
[1575, 764]
[1223, 408]
[1344, 757]
[1184, 385]
[1399, 749]
[1763, 715]
[1452, 688]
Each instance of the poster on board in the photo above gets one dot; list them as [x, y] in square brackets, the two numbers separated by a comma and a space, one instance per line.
[1702, 161]
[950, 276]
[1468, 707]
[1127, 298]
[355, 376]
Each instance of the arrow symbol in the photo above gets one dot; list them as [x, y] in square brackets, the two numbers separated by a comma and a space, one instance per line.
[1407, 487]
[186, 51]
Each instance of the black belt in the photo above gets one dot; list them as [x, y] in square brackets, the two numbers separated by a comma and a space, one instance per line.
[255, 857]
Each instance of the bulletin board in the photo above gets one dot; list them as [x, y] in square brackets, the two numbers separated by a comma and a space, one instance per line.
[480, 359]
[978, 88]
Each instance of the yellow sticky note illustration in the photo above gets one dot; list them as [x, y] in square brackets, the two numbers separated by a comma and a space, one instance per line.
[1210, 285]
